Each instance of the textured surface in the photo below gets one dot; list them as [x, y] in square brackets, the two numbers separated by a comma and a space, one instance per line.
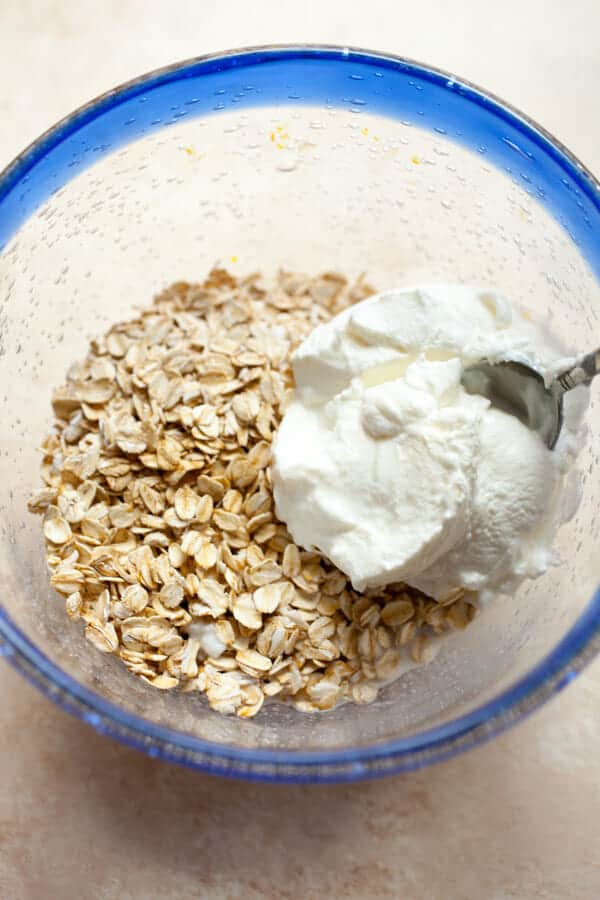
[81, 817]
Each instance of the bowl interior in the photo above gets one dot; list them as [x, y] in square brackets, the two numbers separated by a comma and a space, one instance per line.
[329, 160]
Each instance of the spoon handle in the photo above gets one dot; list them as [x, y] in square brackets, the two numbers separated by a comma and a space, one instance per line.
[582, 372]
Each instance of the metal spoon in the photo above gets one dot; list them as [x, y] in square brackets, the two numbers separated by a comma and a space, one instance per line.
[521, 391]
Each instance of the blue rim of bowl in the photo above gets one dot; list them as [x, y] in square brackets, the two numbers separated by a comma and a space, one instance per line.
[577, 648]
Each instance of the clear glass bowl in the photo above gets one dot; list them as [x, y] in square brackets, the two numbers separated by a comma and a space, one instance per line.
[309, 158]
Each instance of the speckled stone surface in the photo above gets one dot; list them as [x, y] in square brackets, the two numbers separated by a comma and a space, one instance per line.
[82, 818]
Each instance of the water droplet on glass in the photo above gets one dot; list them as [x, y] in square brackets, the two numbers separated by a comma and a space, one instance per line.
[517, 148]
[286, 162]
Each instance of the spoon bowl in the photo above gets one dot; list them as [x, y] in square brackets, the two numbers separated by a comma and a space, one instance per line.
[516, 388]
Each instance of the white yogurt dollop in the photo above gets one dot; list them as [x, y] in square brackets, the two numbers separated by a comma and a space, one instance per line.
[389, 468]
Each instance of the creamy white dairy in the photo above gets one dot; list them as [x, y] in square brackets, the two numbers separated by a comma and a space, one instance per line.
[389, 468]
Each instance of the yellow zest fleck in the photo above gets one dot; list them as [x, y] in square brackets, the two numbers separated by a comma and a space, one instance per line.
[189, 151]
[281, 146]
[375, 137]
[364, 130]
[272, 135]
[416, 160]
[233, 259]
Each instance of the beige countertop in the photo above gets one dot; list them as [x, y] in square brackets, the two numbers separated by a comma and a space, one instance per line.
[82, 817]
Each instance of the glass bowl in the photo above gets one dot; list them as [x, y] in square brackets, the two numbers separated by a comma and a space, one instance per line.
[309, 158]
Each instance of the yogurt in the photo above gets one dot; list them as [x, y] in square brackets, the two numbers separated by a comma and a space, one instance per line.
[390, 469]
